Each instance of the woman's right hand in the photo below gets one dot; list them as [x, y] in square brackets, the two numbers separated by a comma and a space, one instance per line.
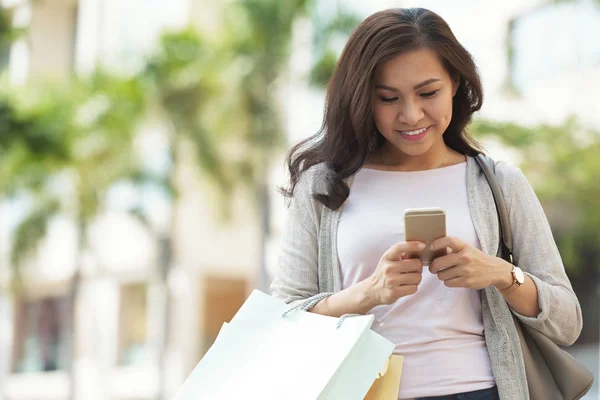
[396, 275]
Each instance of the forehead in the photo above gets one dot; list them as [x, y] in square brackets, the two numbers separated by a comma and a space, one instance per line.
[410, 68]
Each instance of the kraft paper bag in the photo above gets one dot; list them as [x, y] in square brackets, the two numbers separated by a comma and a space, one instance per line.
[387, 384]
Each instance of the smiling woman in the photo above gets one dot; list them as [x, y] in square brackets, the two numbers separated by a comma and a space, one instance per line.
[419, 77]
[394, 138]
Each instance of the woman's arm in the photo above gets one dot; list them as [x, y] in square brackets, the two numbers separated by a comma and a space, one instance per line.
[296, 278]
[536, 253]
[352, 300]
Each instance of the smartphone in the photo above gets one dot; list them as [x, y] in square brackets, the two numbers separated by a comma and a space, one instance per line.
[425, 225]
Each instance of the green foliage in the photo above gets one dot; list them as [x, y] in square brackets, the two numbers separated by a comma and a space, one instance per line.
[563, 166]
[32, 142]
[31, 231]
[38, 131]
[219, 96]
[183, 77]
[8, 33]
[327, 31]
[76, 137]
[256, 44]
[323, 69]
[121, 99]
[262, 29]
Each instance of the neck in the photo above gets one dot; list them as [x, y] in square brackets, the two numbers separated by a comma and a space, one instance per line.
[436, 157]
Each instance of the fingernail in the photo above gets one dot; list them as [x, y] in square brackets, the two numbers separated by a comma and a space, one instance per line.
[421, 246]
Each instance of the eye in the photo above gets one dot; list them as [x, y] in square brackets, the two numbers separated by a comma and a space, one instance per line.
[429, 94]
[388, 99]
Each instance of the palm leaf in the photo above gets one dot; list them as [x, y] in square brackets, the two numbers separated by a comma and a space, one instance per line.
[325, 34]
[30, 231]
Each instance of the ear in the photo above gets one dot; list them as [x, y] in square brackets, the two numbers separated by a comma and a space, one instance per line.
[455, 85]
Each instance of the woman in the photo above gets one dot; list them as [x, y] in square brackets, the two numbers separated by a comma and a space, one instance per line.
[394, 132]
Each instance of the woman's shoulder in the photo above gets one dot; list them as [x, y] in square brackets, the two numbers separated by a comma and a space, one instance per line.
[509, 174]
[514, 184]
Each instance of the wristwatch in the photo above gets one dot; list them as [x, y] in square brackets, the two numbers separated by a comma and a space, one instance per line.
[518, 280]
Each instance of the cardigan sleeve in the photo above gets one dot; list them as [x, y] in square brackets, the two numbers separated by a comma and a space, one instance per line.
[536, 253]
[296, 278]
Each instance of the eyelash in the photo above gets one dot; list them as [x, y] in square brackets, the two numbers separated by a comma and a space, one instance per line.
[427, 95]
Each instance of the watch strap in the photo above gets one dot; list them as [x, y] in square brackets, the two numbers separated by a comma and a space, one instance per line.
[515, 285]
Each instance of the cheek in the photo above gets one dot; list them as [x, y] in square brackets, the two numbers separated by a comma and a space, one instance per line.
[442, 110]
[384, 117]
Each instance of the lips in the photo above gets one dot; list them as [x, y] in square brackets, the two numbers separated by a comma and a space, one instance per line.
[414, 137]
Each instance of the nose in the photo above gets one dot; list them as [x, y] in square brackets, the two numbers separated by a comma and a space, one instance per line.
[410, 114]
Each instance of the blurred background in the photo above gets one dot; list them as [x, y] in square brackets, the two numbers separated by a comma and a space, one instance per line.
[142, 144]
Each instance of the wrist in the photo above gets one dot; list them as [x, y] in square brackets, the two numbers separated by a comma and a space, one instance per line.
[366, 296]
[503, 279]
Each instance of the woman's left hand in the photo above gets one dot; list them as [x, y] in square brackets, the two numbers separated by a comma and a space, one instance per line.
[468, 267]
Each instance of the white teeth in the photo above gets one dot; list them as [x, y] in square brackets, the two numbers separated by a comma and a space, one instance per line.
[412, 133]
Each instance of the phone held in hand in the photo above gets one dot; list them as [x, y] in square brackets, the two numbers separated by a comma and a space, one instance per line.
[425, 225]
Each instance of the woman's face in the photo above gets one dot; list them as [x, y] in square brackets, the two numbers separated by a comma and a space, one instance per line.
[412, 103]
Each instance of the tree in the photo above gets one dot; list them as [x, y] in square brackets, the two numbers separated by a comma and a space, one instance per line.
[193, 83]
[327, 31]
[198, 85]
[92, 123]
[258, 40]
[87, 132]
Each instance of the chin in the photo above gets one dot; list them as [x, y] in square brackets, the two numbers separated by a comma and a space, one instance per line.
[415, 150]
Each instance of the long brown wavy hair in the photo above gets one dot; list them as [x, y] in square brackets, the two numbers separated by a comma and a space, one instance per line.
[348, 135]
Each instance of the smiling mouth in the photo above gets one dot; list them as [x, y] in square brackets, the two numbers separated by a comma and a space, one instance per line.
[415, 134]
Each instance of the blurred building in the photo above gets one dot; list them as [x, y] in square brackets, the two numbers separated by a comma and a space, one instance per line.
[120, 313]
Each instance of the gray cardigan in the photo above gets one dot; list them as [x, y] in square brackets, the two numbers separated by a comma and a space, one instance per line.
[309, 265]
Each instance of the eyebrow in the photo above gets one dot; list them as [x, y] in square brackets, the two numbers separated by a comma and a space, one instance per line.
[418, 86]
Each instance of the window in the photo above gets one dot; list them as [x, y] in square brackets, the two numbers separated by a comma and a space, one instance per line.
[40, 333]
[133, 324]
[50, 39]
[553, 40]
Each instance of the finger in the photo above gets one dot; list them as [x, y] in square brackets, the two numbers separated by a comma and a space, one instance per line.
[404, 266]
[454, 283]
[441, 263]
[449, 241]
[404, 290]
[412, 278]
[394, 253]
[408, 256]
[450, 274]
[411, 265]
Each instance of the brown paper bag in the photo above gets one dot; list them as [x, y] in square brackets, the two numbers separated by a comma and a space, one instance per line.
[387, 384]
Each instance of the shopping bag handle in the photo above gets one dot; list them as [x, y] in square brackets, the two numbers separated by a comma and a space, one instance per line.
[343, 318]
[306, 304]
[311, 302]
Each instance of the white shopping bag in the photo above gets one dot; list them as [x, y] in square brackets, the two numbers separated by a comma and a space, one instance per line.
[262, 355]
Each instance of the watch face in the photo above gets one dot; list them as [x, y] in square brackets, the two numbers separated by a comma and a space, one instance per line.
[519, 275]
